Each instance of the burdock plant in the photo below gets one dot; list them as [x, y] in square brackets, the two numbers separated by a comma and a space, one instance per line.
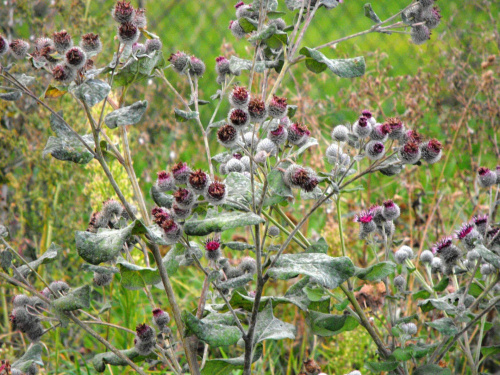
[263, 166]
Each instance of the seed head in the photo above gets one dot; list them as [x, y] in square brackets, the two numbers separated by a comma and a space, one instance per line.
[123, 12]
[412, 136]
[397, 128]
[486, 177]
[277, 107]
[236, 29]
[165, 181]
[62, 41]
[62, 73]
[160, 215]
[298, 133]
[76, 58]
[179, 61]
[216, 193]
[19, 48]
[153, 45]
[257, 110]
[375, 150]
[297, 176]
[362, 128]
[198, 181]
[128, 33]
[238, 118]
[184, 198]
[239, 97]
[91, 43]
[339, 133]
[431, 151]
[181, 172]
[172, 230]
[197, 67]
[410, 153]
[227, 135]
[140, 19]
[420, 34]
[390, 210]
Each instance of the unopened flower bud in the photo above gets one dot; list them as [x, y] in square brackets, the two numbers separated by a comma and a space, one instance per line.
[235, 165]
[279, 23]
[380, 132]
[432, 17]
[390, 210]
[216, 193]
[160, 318]
[239, 97]
[222, 66]
[273, 231]
[436, 265]
[362, 127]
[140, 19]
[138, 49]
[62, 73]
[236, 29]
[179, 61]
[401, 255]
[197, 67]
[267, 146]
[181, 172]
[277, 107]
[102, 279]
[19, 48]
[35, 332]
[420, 34]
[261, 157]
[20, 300]
[128, 33]
[91, 43]
[426, 256]
[400, 282]
[298, 133]
[339, 133]
[410, 153]
[486, 177]
[227, 135]
[153, 45]
[122, 12]
[278, 135]
[411, 328]
[238, 118]
[375, 150]
[487, 269]
[244, 10]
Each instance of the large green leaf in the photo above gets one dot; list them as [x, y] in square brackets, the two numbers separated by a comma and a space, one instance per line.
[47, 257]
[32, 355]
[226, 366]
[490, 350]
[277, 185]
[92, 91]
[325, 270]
[66, 146]
[129, 115]
[101, 360]
[488, 256]
[220, 223]
[183, 116]
[309, 143]
[139, 69]
[378, 367]
[345, 68]
[239, 300]
[236, 65]
[76, 299]
[320, 246]
[439, 304]
[376, 272]
[444, 326]
[268, 327]
[431, 369]
[214, 334]
[325, 325]
[161, 199]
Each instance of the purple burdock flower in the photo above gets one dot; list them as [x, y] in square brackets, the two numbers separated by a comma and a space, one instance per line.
[63, 73]
[432, 17]
[243, 10]
[222, 66]
[180, 212]
[277, 107]
[431, 151]
[91, 43]
[362, 127]
[420, 34]
[278, 135]
[448, 252]
[145, 339]
[160, 318]
[375, 150]
[397, 128]
[198, 181]
[236, 29]
[153, 45]
[486, 177]
[4, 46]
[369, 116]
[227, 135]
[128, 33]
[468, 235]
[390, 210]
[197, 67]
[212, 249]
[179, 61]
[19, 48]
[411, 136]
[410, 153]
[160, 215]
[257, 110]
[237, 155]
[493, 236]
[481, 223]
[366, 223]
[380, 132]
[298, 133]
[216, 193]
[297, 176]
[238, 118]
[239, 97]
[181, 172]
[165, 181]
[171, 230]
[184, 197]
[62, 41]
[76, 58]
[122, 12]
[140, 19]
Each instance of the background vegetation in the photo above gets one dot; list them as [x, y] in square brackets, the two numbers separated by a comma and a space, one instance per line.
[450, 88]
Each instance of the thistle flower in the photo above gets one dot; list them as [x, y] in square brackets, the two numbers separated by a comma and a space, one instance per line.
[366, 223]
[236, 29]
[273, 231]
[420, 34]
[153, 45]
[279, 23]
[91, 43]
[380, 132]
[160, 318]
[426, 256]
[235, 165]
[239, 97]
[76, 58]
[238, 118]
[486, 177]
[362, 128]
[268, 146]
[179, 61]
[102, 279]
[197, 67]
[179, 212]
[165, 181]
[297, 176]
[62, 73]
[122, 12]
[397, 128]
[216, 193]
[431, 151]
[4, 46]
[448, 252]
[181, 172]
[277, 107]
[222, 66]
[227, 135]
[19, 48]
[298, 133]
[62, 41]
[400, 282]
[469, 235]
[212, 249]
[278, 135]
[184, 197]
[128, 33]
[390, 210]
[198, 181]
[410, 153]
[172, 230]
[369, 116]
[140, 19]
[481, 223]
[145, 339]
[411, 136]
[244, 10]
[339, 133]
[375, 150]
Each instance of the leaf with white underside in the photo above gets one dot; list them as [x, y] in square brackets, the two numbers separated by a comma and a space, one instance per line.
[345, 68]
[268, 327]
[220, 223]
[48, 256]
[92, 91]
[214, 334]
[76, 299]
[32, 355]
[325, 325]
[127, 115]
